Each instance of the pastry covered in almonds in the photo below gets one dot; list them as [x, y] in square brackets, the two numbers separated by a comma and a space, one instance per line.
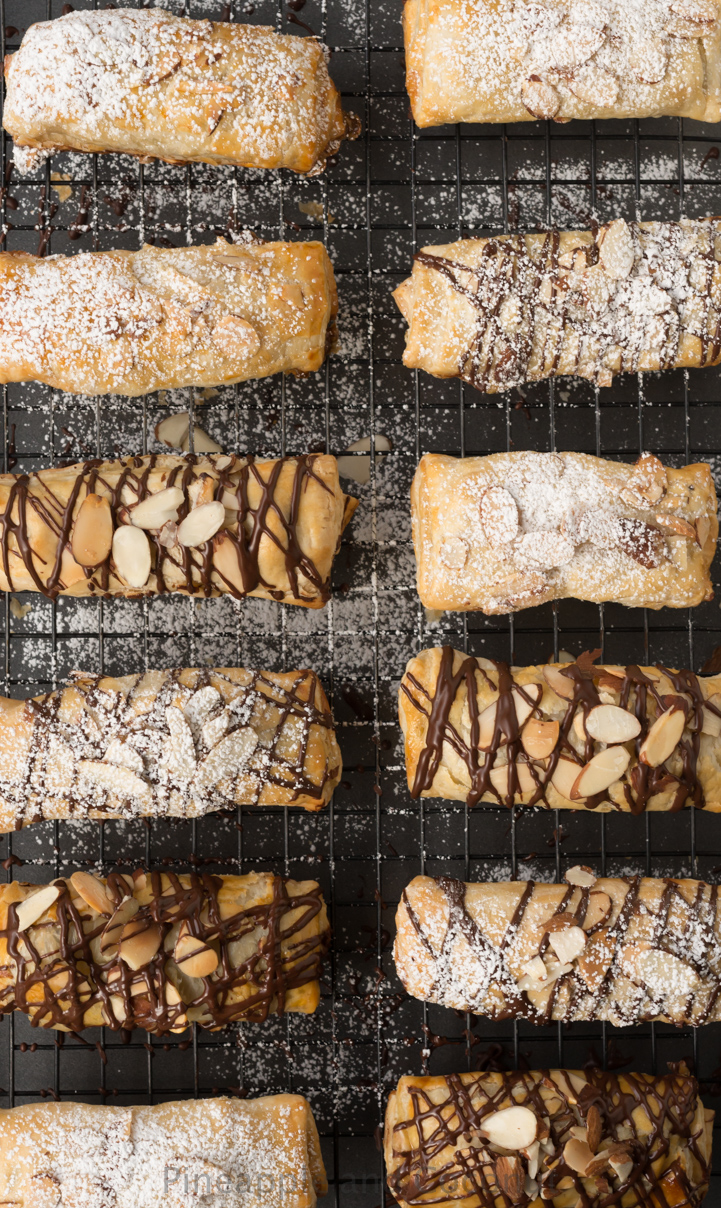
[617, 949]
[562, 735]
[511, 61]
[204, 526]
[625, 298]
[509, 531]
[161, 744]
[562, 1138]
[160, 951]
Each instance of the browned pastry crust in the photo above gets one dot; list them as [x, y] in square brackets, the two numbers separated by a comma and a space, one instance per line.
[630, 297]
[160, 951]
[623, 950]
[167, 744]
[131, 322]
[564, 736]
[158, 86]
[261, 1153]
[204, 526]
[513, 530]
[548, 1137]
[500, 61]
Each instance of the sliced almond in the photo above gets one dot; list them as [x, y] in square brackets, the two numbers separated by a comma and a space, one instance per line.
[536, 969]
[703, 11]
[564, 778]
[578, 1155]
[201, 524]
[453, 552]
[649, 478]
[202, 443]
[33, 907]
[179, 757]
[594, 1128]
[663, 738]
[499, 516]
[525, 700]
[113, 778]
[157, 509]
[568, 944]
[597, 910]
[561, 684]
[92, 531]
[92, 891]
[172, 429]
[139, 942]
[653, 63]
[235, 337]
[539, 738]
[194, 958]
[595, 86]
[511, 1177]
[676, 524]
[115, 1011]
[113, 929]
[596, 958]
[615, 249]
[611, 724]
[511, 1128]
[131, 555]
[499, 778]
[622, 1167]
[554, 973]
[125, 756]
[601, 772]
[581, 875]
[229, 756]
[703, 529]
[711, 723]
[487, 727]
[540, 99]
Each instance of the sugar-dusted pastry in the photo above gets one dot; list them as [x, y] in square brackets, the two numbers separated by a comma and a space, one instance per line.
[167, 744]
[160, 951]
[205, 526]
[241, 1153]
[516, 60]
[556, 1137]
[517, 308]
[624, 950]
[564, 736]
[513, 530]
[131, 322]
[154, 85]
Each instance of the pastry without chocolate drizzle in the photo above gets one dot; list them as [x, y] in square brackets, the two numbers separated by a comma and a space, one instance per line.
[613, 949]
[547, 1136]
[160, 951]
[561, 735]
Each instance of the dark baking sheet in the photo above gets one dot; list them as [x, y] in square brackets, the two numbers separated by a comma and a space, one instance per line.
[389, 193]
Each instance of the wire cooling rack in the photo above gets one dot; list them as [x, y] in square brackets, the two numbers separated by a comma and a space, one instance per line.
[388, 194]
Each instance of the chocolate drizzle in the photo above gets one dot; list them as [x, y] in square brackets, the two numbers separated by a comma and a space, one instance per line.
[636, 690]
[250, 488]
[438, 1153]
[55, 975]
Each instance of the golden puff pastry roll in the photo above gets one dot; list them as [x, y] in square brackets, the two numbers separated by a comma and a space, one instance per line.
[514, 530]
[503, 61]
[150, 84]
[632, 297]
[564, 736]
[160, 951]
[204, 526]
[548, 1137]
[621, 950]
[131, 322]
[161, 744]
[261, 1153]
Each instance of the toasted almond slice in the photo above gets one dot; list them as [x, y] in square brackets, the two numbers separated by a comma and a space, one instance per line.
[567, 944]
[611, 724]
[712, 721]
[539, 738]
[70, 571]
[561, 684]
[193, 957]
[33, 907]
[511, 1177]
[660, 972]
[615, 249]
[114, 927]
[172, 429]
[499, 779]
[92, 891]
[622, 1167]
[581, 875]
[578, 1155]
[597, 911]
[115, 1010]
[202, 443]
[540, 99]
[676, 524]
[499, 516]
[525, 701]
[125, 756]
[600, 772]
[131, 555]
[172, 997]
[594, 961]
[593, 85]
[649, 478]
[113, 778]
[703, 11]
[554, 972]
[558, 922]
[92, 531]
[235, 337]
[663, 738]
[594, 1128]
[564, 777]
[487, 727]
[201, 524]
[536, 969]
[157, 509]
[139, 942]
[511, 1128]
[653, 63]
[229, 756]
[453, 552]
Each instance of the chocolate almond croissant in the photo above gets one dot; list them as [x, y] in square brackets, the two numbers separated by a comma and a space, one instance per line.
[160, 951]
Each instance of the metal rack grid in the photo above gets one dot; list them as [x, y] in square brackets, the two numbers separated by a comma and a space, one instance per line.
[391, 192]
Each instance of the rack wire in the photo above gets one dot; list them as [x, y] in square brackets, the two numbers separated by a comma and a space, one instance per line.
[388, 194]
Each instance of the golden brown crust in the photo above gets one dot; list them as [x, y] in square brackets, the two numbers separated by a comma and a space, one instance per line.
[159, 86]
[561, 525]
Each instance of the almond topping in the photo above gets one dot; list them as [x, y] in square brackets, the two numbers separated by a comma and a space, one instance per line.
[525, 700]
[92, 891]
[595, 86]
[201, 524]
[172, 429]
[140, 942]
[597, 911]
[92, 531]
[581, 875]
[157, 509]
[615, 249]
[676, 524]
[540, 99]
[235, 338]
[539, 738]
[131, 555]
[536, 969]
[561, 684]
[601, 772]
[202, 443]
[453, 552]
[593, 1128]
[193, 957]
[499, 516]
[663, 738]
[499, 778]
[611, 724]
[568, 944]
[511, 1177]
[114, 928]
[653, 63]
[596, 958]
[511, 1128]
[33, 907]
[649, 478]
[564, 778]
[577, 1154]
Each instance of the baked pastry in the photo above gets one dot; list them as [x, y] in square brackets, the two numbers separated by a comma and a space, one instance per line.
[565, 736]
[167, 744]
[259, 1153]
[132, 322]
[624, 950]
[517, 308]
[160, 951]
[154, 85]
[508, 61]
[513, 530]
[531, 1138]
[205, 526]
